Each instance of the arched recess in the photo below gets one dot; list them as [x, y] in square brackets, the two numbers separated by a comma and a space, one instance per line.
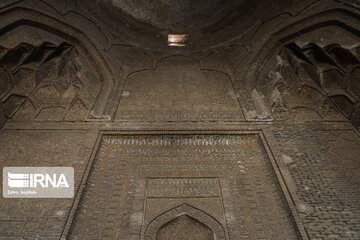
[178, 89]
[184, 209]
[340, 17]
[18, 16]
[260, 73]
[184, 228]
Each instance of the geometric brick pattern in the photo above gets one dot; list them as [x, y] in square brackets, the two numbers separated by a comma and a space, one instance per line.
[325, 168]
[40, 218]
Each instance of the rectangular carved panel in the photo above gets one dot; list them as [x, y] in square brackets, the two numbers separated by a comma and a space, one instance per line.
[140, 183]
[182, 187]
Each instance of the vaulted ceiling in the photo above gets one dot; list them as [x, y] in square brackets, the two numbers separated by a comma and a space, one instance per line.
[208, 22]
[109, 59]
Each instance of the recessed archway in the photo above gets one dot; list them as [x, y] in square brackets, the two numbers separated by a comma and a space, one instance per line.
[18, 16]
[184, 228]
[183, 214]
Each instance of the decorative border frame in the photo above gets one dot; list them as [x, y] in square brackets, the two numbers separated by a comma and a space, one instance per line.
[298, 226]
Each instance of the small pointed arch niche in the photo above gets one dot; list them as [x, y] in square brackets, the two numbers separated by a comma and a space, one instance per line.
[185, 222]
[184, 228]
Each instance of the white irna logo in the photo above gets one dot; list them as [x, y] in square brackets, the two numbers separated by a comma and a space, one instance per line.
[17, 180]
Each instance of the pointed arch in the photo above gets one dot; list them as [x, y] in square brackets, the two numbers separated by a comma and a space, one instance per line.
[342, 18]
[18, 16]
[185, 209]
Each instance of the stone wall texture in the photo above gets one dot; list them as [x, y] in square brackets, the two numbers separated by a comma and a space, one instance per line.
[251, 132]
